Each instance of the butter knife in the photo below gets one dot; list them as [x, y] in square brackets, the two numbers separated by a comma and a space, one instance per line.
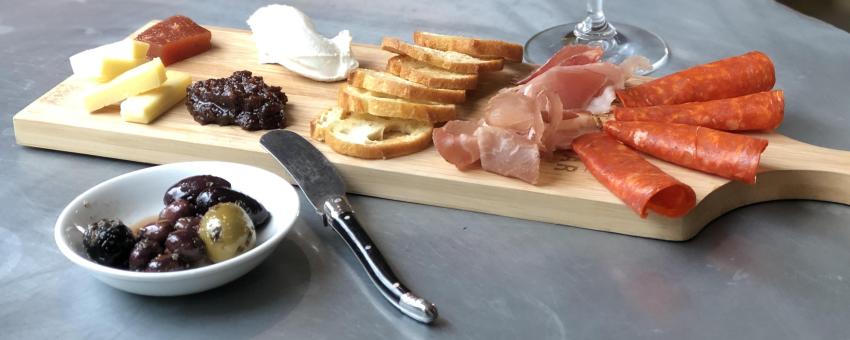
[325, 190]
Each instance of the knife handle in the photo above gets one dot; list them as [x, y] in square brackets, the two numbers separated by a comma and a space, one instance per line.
[340, 216]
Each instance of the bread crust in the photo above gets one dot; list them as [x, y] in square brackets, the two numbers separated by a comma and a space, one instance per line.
[403, 66]
[352, 99]
[479, 48]
[388, 83]
[384, 149]
[441, 59]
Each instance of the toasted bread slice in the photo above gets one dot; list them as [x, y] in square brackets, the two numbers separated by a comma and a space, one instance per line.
[390, 84]
[320, 124]
[479, 48]
[449, 60]
[431, 76]
[373, 137]
[359, 100]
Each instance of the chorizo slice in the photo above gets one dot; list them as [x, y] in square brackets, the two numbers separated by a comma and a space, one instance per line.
[726, 78]
[700, 148]
[639, 184]
[758, 111]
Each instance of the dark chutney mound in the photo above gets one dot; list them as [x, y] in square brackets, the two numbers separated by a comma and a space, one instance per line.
[240, 99]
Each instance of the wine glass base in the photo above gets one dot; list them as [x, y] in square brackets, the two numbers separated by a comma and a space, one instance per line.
[630, 40]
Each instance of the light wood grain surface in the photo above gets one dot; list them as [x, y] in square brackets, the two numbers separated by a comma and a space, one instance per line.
[566, 194]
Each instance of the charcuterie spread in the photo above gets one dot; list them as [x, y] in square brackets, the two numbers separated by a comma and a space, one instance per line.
[466, 96]
[676, 118]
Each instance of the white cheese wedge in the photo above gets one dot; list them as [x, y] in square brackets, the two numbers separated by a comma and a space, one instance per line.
[144, 77]
[106, 62]
[146, 107]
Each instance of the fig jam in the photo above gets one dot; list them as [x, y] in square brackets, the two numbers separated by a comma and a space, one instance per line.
[241, 99]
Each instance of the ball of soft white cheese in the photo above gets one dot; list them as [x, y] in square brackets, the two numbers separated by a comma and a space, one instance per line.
[286, 36]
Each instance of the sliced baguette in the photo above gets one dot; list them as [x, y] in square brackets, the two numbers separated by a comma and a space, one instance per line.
[479, 48]
[359, 100]
[373, 137]
[431, 76]
[319, 125]
[390, 84]
[449, 60]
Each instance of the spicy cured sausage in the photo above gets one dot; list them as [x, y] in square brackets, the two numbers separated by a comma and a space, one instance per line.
[635, 181]
[758, 111]
[726, 78]
[721, 153]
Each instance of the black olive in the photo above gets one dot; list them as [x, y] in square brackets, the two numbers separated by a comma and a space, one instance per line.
[156, 232]
[189, 187]
[142, 253]
[166, 263]
[190, 223]
[176, 209]
[109, 242]
[212, 196]
[187, 244]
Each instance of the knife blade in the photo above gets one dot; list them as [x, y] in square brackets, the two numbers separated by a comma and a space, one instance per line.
[325, 190]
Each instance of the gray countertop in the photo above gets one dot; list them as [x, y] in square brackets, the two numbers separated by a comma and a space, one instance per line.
[771, 270]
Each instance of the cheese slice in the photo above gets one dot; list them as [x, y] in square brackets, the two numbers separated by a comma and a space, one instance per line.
[144, 77]
[106, 62]
[146, 107]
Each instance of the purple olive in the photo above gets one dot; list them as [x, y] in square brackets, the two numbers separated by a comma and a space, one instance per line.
[212, 196]
[142, 253]
[190, 223]
[156, 232]
[176, 209]
[189, 187]
[187, 244]
[166, 263]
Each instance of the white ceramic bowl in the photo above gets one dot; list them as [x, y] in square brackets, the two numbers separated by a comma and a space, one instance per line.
[138, 195]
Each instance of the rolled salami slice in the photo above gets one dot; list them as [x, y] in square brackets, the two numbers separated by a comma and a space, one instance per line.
[700, 148]
[758, 111]
[638, 183]
[726, 78]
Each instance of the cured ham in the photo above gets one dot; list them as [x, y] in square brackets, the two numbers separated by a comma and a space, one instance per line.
[639, 184]
[508, 154]
[515, 112]
[457, 143]
[758, 111]
[528, 122]
[566, 56]
[569, 129]
[721, 153]
[726, 78]
[578, 85]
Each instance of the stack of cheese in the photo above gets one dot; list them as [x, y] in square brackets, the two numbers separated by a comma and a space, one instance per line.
[392, 113]
[120, 72]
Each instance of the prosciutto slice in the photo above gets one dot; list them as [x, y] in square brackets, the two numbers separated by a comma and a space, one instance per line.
[515, 112]
[568, 55]
[528, 122]
[457, 143]
[508, 154]
[579, 86]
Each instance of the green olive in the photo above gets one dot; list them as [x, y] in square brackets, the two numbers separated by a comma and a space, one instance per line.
[227, 231]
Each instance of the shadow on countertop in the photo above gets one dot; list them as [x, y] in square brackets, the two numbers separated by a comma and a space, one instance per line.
[835, 12]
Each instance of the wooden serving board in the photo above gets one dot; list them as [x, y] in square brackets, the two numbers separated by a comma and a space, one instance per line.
[567, 194]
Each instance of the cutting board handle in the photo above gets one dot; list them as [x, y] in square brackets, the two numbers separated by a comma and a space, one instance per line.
[790, 169]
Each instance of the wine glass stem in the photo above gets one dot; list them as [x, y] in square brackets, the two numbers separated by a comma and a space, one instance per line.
[595, 27]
